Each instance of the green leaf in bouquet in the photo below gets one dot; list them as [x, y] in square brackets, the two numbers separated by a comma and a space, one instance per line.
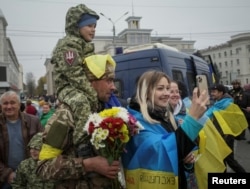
[110, 159]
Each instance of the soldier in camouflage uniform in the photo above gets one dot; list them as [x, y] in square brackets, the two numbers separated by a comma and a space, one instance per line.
[26, 177]
[87, 171]
[72, 85]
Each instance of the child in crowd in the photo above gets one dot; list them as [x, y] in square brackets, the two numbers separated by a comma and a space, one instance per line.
[73, 87]
[26, 177]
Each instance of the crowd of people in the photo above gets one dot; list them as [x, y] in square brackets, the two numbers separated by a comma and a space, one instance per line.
[49, 148]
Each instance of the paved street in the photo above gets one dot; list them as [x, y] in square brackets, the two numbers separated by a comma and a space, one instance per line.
[242, 153]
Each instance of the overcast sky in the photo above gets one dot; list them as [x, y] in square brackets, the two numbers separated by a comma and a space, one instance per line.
[34, 26]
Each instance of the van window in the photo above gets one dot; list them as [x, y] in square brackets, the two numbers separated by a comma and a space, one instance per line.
[177, 75]
[191, 82]
[119, 87]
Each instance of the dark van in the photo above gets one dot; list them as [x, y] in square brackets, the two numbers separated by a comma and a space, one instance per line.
[179, 66]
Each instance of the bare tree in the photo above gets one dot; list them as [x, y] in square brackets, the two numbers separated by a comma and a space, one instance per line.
[40, 87]
[30, 84]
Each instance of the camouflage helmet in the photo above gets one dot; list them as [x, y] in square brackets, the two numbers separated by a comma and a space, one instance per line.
[73, 16]
[36, 141]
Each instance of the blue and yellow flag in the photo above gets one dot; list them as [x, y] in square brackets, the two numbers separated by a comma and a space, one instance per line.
[212, 147]
[211, 154]
[229, 116]
[143, 163]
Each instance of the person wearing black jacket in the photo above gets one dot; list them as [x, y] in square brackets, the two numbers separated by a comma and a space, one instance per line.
[238, 95]
[245, 104]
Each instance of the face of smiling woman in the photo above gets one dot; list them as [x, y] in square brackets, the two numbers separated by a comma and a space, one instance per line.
[161, 94]
[174, 95]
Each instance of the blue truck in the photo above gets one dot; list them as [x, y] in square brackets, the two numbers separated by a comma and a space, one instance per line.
[178, 65]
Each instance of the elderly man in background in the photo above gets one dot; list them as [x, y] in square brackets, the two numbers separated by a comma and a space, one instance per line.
[16, 130]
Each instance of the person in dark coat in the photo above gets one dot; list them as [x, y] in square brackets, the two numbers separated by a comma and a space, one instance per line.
[16, 130]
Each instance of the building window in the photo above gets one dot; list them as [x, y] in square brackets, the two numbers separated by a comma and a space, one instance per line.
[238, 50]
[238, 71]
[3, 76]
[220, 65]
[231, 63]
[231, 52]
[248, 48]
[238, 62]
[226, 63]
[135, 24]
[225, 53]
[220, 74]
[219, 55]
[226, 73]
[246, 80]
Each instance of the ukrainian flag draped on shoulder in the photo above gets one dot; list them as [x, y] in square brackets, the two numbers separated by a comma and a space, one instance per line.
[143, 163]
[211, 152]
[212, 147]
[229, 116]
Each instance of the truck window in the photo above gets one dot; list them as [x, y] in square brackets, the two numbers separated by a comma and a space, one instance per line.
[177, 75]
[119, 88]
[190, 82]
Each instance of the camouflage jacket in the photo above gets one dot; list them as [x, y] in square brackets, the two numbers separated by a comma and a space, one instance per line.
[68, 57]
[67, 169]
[26, 177]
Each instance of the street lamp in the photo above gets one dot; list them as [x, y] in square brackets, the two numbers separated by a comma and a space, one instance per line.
[113, 23]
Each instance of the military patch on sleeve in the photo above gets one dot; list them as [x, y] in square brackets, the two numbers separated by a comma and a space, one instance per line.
[70, 57]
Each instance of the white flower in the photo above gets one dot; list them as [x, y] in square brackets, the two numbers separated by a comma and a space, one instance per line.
[98, 137]
[123, 114]
[95, 119]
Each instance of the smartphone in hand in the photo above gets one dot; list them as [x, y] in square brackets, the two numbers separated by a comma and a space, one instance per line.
[201, 81]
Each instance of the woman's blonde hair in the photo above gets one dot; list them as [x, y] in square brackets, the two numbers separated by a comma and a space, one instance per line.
[145, 91]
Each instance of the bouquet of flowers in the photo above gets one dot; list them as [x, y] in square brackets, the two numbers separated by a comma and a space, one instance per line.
[110, 130]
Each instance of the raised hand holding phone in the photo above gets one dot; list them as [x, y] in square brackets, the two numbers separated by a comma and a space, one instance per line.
[201, 81]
